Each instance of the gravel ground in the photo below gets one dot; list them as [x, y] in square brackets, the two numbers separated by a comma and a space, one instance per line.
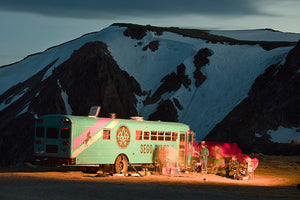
[277, 177]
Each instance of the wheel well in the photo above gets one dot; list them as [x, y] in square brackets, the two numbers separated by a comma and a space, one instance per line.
[123, 155]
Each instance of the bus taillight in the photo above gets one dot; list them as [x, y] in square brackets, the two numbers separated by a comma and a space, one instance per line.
[39, 121]
[38, 142]
[65, 120]
[65, 143]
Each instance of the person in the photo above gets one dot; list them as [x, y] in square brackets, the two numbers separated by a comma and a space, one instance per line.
[232, 168]
[251, 164]
[218, 161]
[204, 153]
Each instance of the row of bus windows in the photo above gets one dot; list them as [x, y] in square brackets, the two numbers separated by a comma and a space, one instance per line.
[52, 133]
[156, 135]
[148, 135]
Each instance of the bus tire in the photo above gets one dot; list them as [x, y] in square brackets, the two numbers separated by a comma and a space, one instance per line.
[121, 164]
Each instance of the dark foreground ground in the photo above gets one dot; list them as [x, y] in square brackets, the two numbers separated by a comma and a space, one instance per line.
[277, 177]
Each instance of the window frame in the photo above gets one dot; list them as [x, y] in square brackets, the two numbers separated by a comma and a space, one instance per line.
[138, 135]
[161, 135]
[147, 135]
[153, 136]
[105, 135]
[38, 133]
[174, 139]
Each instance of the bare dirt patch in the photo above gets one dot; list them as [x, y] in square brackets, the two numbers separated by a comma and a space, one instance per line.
[276, 177]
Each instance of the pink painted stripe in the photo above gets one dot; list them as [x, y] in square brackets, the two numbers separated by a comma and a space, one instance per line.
[91, 130]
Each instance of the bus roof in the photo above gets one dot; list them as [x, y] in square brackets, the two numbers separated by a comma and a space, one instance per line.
[80, 120]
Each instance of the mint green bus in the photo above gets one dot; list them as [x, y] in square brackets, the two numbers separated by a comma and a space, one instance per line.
[112, 144]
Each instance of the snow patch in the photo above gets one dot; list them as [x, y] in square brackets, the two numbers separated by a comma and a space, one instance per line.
[65, 98]
[285, 135]
[66, 101]
[258, 135]
[25, 110]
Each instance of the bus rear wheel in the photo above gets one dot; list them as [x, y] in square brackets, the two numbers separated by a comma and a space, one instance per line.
[121, 165]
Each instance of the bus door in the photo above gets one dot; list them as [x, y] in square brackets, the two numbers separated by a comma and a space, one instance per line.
[185, 148]
[182, 150]
[189, 147]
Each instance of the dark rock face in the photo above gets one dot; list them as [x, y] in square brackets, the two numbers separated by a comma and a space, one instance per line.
[177, 104]
[200, 60]
[165, 112]
[135, 32]
[17, 129]
[89, 77]
[152, 45]
[273, 101]
[171, 82]
[138, 32]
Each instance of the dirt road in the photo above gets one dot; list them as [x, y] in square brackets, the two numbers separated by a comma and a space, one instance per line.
[272, 181]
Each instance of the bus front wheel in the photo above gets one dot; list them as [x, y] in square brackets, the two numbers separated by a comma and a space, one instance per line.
[121, 165]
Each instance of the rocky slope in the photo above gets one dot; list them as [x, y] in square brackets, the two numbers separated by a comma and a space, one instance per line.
[273, 101]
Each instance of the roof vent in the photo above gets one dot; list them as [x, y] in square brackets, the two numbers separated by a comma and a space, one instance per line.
[112, 115]
[137, 118]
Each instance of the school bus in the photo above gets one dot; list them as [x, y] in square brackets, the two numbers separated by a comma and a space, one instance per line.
[94, 143]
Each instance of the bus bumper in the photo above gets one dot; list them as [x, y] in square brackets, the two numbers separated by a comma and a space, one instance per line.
[44, 160]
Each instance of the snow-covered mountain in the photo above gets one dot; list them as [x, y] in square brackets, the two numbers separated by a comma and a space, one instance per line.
[201, 78]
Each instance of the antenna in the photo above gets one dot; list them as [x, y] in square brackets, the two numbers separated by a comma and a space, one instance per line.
[94, 111]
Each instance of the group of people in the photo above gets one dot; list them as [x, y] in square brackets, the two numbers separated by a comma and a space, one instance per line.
[243, 169]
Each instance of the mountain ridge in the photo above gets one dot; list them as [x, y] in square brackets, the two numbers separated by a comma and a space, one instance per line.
[160, 75]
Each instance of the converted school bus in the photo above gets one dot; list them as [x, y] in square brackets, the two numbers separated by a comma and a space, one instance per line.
[94, 143]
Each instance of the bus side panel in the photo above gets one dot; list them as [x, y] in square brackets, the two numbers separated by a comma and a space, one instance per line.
[95, 149]
[99, 148]
[148, 151]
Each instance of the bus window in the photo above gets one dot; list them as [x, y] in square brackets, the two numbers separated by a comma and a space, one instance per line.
[65, 132]
[106, 134]
[146, 135]
[190, 137]
[174, 136]
[153, 135]
[161, 135]
[168, 136]
[40, 132]
[138, 135]
[52, 133]
[182, 137]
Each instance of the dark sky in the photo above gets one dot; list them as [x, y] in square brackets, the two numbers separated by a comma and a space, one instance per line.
[113, 8]
[31, 26]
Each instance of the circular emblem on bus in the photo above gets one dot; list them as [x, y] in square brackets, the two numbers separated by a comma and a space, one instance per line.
[123, 136]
